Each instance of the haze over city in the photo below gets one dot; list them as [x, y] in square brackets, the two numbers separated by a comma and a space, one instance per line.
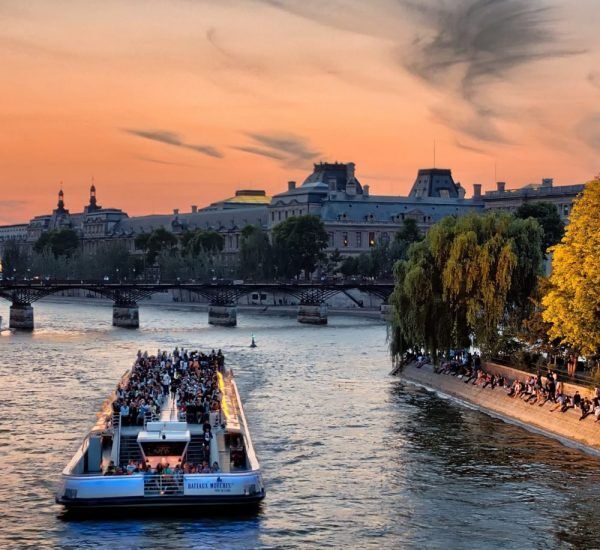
[172, 103]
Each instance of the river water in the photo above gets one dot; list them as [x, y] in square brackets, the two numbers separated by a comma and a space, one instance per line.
[351, 457]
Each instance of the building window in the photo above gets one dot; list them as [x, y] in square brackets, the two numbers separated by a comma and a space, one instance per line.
[385, 238]
[230, 241]
[358, 239]
[237, 241]
[371, 239]
[272, 216]
[345, 239]
[330, 240]
[279, 215]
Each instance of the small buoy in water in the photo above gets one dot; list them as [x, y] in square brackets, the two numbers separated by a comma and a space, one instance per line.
[253, 344]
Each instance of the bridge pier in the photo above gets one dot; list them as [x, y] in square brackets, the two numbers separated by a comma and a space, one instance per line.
[222, 315]
[386, 311]
[313, 314]
[21, 317]
[126, 315]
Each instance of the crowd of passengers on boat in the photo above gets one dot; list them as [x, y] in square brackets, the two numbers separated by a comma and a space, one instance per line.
[190, 376]
[192, 381]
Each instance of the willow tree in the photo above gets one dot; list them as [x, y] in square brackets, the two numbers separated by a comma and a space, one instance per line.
[465, 283]
[572, 305]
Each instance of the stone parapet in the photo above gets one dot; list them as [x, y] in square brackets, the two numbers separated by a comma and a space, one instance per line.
[566, 427]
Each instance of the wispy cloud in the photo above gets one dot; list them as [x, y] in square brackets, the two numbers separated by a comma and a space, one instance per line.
[233, 60]
[470, 148]
[165, 162]
[260, 152]
[171, 138]
[468, 44]
[594, 79]
[291, 149]
[11, 211]
[588, 130]
[9, 205]
[459, 47]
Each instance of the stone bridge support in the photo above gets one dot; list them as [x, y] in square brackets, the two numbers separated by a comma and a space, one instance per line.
[386, 311]
[21, 316]
[312, 314]
[126, 315]
[222, 315]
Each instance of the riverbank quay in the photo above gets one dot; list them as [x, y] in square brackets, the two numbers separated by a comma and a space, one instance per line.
[564, 427]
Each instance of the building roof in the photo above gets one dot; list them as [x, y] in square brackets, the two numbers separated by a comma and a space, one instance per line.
[249, 197]
[436, 182]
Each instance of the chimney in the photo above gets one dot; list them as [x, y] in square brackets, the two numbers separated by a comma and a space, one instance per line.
[477, 190]
[547, 182]
[365, 191]
[501, 186]
[194, 209]
[350, 168]
[175, 211]
[291, 185]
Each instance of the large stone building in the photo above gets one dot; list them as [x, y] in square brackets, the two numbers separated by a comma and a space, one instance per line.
[510, 199]
[354, 219]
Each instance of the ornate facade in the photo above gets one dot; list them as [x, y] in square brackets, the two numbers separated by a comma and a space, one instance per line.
[354, 219]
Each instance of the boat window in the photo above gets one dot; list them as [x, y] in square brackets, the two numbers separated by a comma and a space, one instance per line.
[159, 448]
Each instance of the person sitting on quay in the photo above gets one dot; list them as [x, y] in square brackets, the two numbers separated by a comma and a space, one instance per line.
[533, 390]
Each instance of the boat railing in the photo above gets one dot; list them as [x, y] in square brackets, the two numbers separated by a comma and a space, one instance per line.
[156, 485]
[150, 417]
[116, 420]
[116, 450]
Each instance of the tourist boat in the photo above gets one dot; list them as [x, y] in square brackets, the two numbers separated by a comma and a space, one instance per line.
[173, 436]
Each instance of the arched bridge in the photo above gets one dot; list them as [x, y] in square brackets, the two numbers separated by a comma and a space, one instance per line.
[222, 297]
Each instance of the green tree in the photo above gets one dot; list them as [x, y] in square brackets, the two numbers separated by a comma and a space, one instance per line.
[202, 241]
[156, 242]
[14, 260]
[468, 279]
[572, 305]
[409, 232]
[299, 242]
[349, 266]
[256, 254]
[547, 215]
[61, 242]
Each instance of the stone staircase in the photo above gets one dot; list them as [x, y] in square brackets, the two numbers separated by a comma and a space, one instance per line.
[195, 450]
[129, 449]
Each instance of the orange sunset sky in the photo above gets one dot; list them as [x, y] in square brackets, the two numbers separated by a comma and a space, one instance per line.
[168, 103]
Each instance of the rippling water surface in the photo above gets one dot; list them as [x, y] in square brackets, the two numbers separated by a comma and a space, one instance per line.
[351, 457]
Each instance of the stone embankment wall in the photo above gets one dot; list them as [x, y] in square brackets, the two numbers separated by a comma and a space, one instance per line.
[566, 427]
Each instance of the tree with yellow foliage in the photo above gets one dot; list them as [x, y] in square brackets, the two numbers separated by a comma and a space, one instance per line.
[572, 305]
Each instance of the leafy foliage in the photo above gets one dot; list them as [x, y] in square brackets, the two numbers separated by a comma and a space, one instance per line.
[14, 260]
[154, 243]
[298, 243]
[256, 254]
[547, 215]
[202, 241]
[379, 261]
[572, 305]
[469, 278]
[61, 242]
